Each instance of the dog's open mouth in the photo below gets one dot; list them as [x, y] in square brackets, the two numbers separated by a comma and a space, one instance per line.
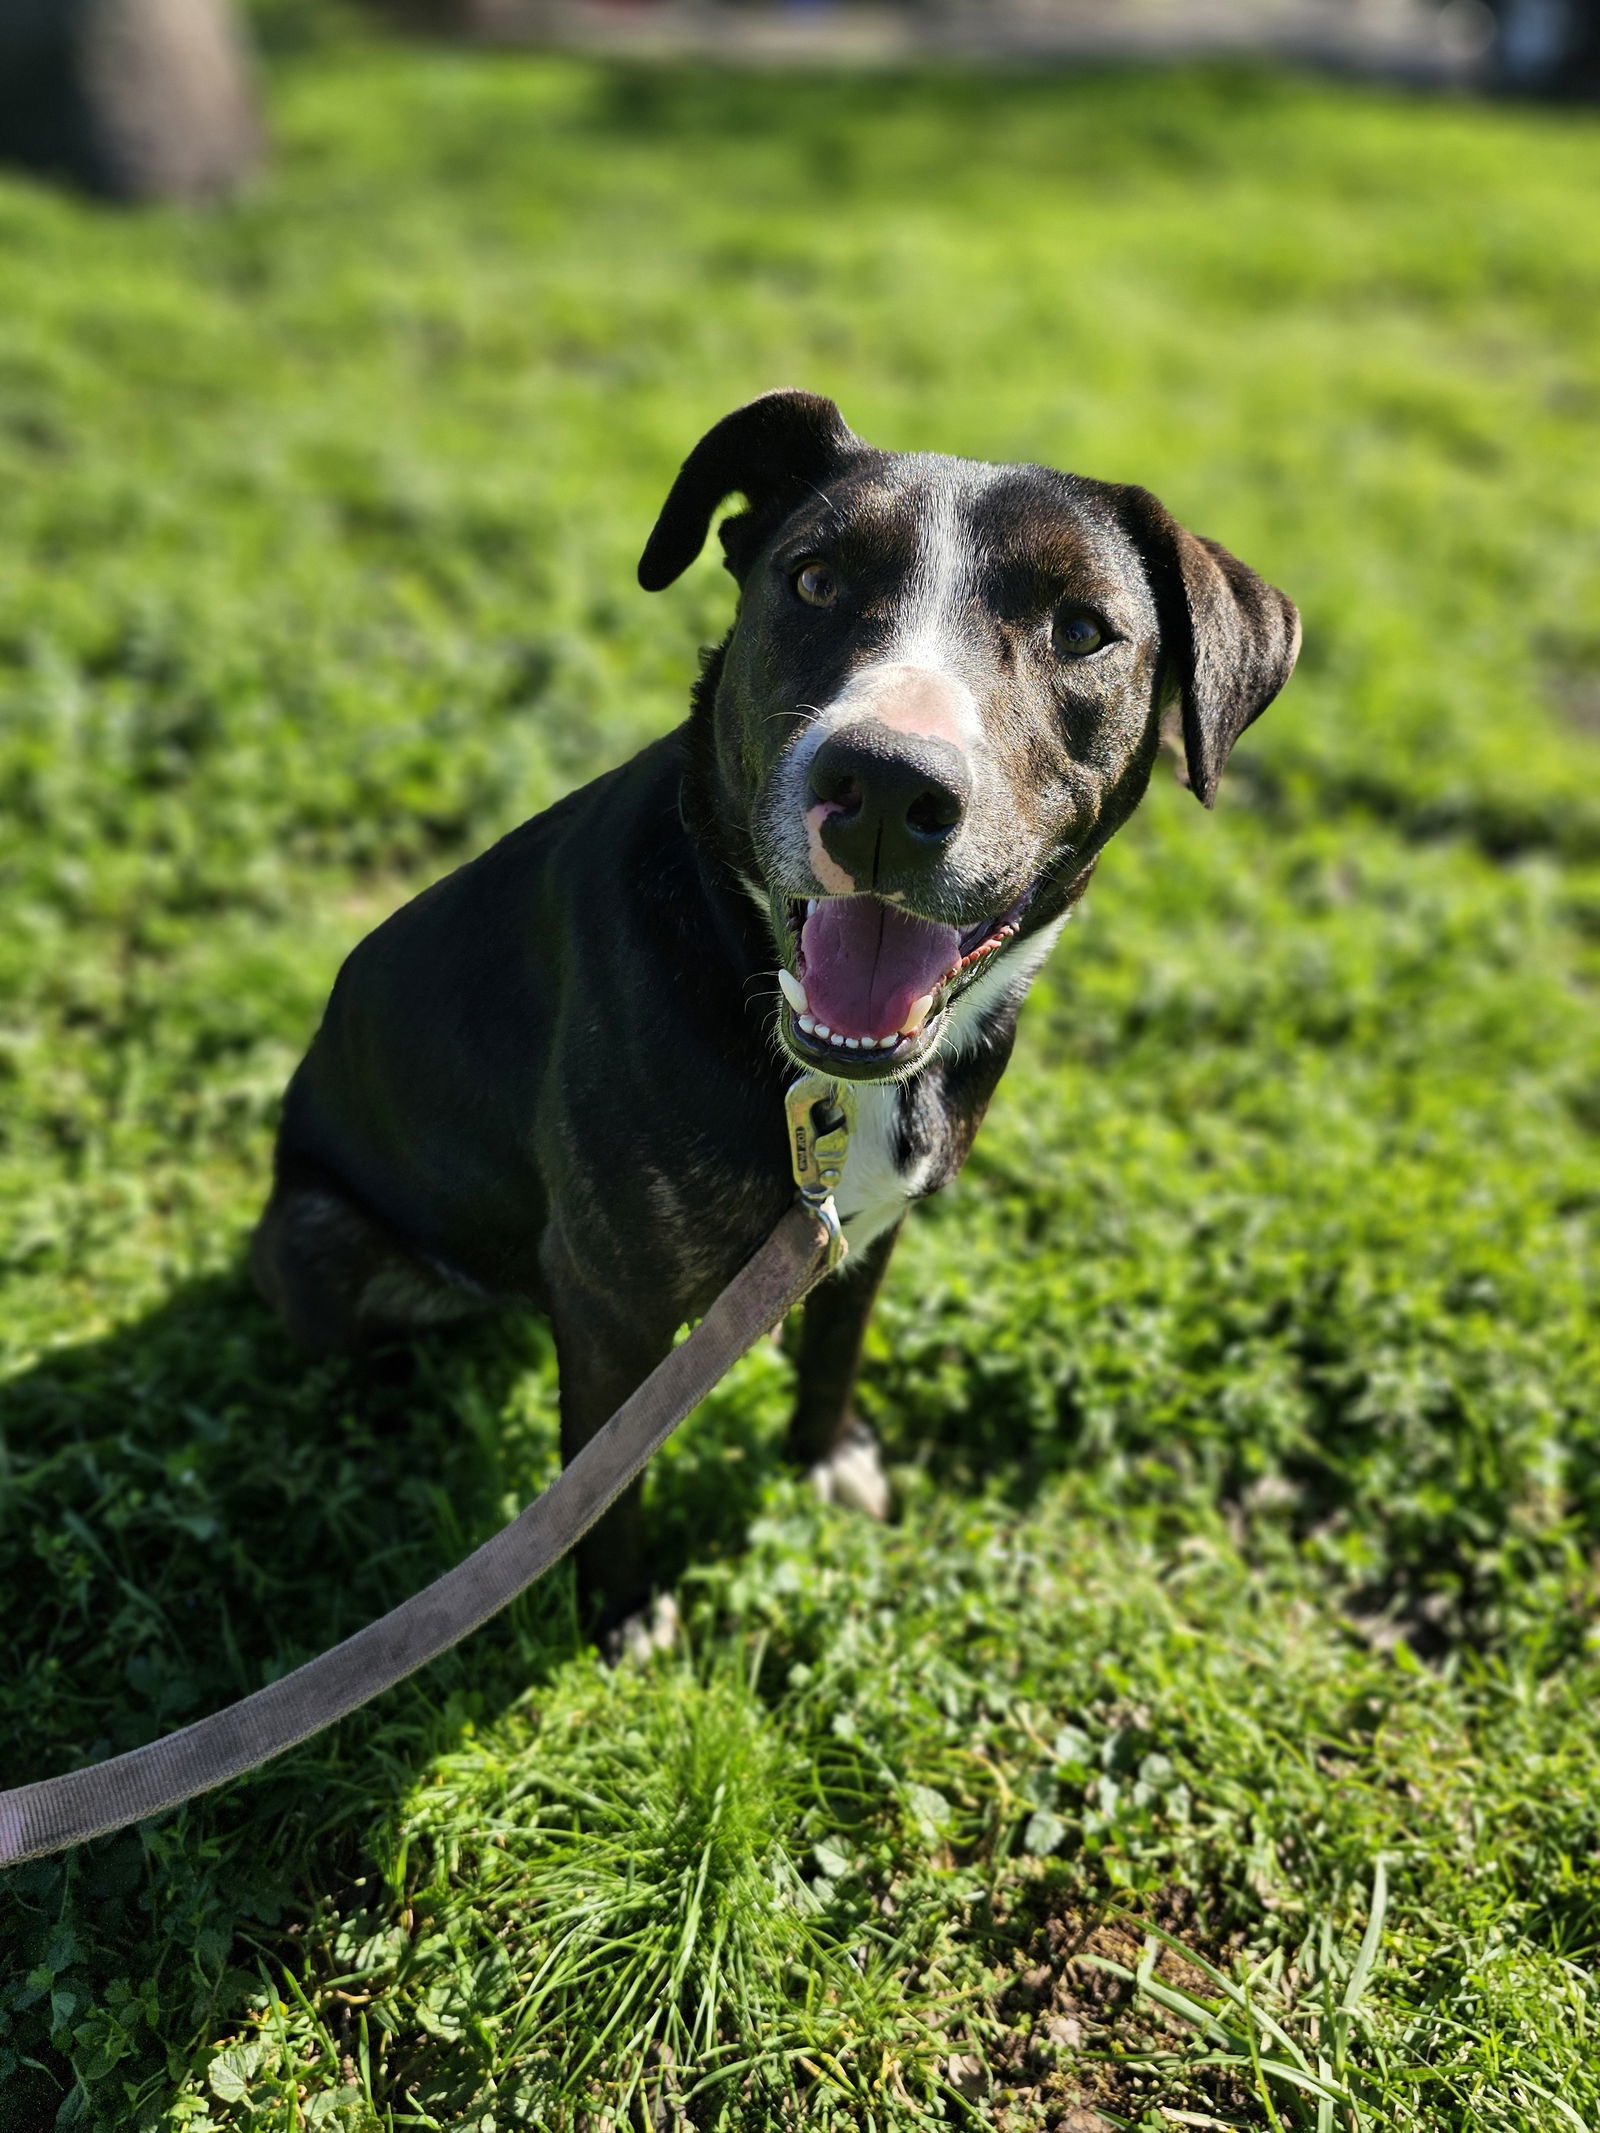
[871, 981]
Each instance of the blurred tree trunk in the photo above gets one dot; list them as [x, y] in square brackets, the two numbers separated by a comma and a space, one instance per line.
[133, 99]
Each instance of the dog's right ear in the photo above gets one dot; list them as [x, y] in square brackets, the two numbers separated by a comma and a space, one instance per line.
[780, 443]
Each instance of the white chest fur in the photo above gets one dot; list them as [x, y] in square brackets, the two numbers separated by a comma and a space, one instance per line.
[874, 1190]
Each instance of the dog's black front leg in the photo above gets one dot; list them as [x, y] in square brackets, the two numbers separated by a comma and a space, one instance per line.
[604, 1356]
[824, 1434]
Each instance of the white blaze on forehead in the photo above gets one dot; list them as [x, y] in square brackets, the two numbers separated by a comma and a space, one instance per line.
[916, 684]
[939, 583]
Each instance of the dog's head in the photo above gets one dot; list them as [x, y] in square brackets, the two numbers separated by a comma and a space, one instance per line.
[942, 695]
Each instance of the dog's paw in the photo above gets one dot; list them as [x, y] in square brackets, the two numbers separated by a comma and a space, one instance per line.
[852, 1474]
[637, 1638]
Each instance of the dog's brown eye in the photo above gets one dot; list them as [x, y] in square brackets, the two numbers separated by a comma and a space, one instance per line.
[816, 585]
[1078, 633]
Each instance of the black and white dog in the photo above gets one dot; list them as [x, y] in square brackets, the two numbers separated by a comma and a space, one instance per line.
[556, 1079]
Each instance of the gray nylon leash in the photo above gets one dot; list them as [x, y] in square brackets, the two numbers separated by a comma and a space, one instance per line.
[61, 1811]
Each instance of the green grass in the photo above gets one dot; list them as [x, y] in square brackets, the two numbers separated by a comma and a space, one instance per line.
[1214, 1731]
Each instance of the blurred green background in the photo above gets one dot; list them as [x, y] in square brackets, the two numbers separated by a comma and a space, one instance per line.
[1242, 1396]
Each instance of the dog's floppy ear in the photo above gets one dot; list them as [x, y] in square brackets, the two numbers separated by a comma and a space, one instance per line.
[1229, 639]
[764, 449]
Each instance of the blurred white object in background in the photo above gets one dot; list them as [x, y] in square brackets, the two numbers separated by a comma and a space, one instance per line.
[1525, 44]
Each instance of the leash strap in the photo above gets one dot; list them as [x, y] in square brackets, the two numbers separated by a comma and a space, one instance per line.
[62, 1811]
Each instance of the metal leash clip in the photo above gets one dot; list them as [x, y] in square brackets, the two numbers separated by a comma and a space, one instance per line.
[822, 1116]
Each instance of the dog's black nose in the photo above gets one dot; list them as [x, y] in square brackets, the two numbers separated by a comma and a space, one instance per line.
[896, 799]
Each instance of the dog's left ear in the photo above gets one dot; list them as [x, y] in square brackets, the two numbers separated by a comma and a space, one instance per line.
[767, 450]
[1229, 639]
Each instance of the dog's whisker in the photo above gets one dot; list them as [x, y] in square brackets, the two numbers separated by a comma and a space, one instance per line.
[826, 502]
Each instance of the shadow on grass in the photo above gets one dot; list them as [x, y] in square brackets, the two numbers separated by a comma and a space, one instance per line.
[187, 1510]
[190, 1509]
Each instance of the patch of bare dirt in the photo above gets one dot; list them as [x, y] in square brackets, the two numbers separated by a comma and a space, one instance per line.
[1061, 2063]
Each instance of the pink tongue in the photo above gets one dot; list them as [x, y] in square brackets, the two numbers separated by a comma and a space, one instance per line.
[863, 962]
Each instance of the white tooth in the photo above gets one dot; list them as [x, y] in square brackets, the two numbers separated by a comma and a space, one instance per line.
[811, 905]
[854, 1043]
[916, 1014]
[808, 1025]
[823, 1030]
[869, 1044]
[793, 991]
